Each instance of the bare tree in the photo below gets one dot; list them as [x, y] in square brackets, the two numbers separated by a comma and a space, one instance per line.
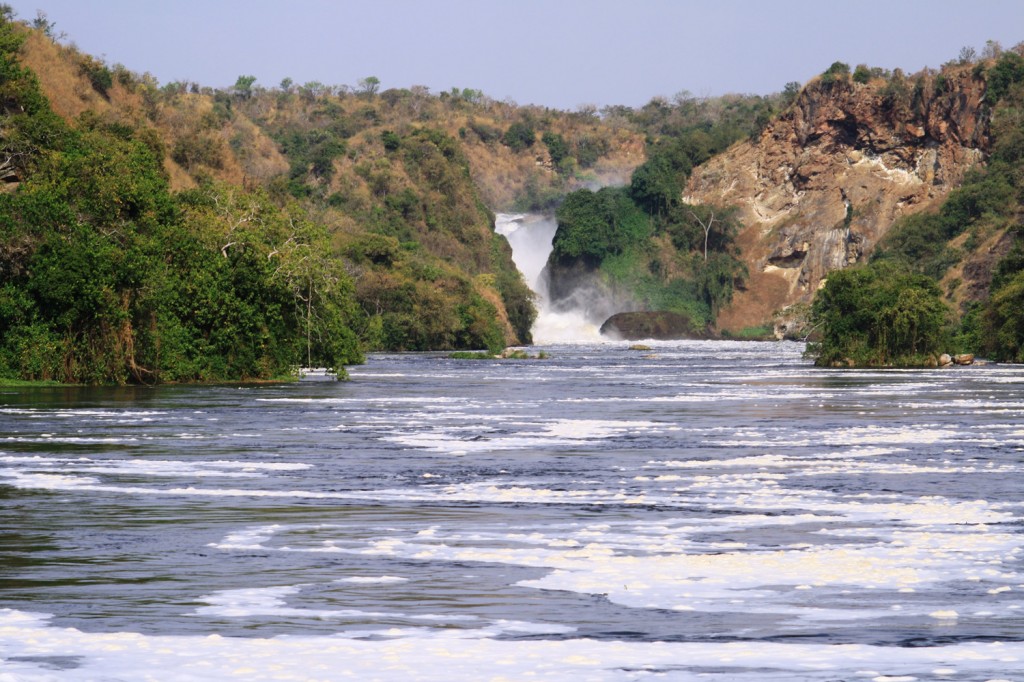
[707, 230]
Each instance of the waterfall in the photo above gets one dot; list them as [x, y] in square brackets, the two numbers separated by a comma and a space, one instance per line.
[530, 236]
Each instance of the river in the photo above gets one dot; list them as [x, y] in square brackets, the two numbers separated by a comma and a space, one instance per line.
[699, 511]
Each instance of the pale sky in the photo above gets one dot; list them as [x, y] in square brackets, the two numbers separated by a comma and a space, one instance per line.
[556, 53]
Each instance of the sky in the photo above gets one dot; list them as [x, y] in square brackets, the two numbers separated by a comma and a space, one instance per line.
[556, 53]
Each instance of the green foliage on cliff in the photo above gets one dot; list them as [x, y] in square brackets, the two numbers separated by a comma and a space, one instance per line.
[595, 225]
[1004, 74]
[922, 240]
[519, 136]
[1002, 321]
[657, 269]
[985, 209]
[431, 274]
[107, 277]
[879, 315]
[644, 243]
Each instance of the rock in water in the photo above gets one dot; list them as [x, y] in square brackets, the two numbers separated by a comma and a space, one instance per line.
[651, 325]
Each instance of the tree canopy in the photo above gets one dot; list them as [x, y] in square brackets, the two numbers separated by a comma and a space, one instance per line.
[878, 315]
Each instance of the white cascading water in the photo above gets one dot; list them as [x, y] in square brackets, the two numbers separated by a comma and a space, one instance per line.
[530, 236]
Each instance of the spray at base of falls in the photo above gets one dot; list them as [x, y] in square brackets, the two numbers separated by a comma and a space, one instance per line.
[530, 236]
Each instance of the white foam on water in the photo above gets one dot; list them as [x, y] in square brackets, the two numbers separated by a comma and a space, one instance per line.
[741, 530]
[566, 327]
[69, 440]
[247, 602]
[153, 467]
[397, 400]
[373, 580]
[64, 413]
[248, 538]
[271, 602]
[827, 464]
[446, 655]
[908, 547]
[530, 435]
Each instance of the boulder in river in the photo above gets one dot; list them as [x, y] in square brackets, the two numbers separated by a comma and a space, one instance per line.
[660, 324]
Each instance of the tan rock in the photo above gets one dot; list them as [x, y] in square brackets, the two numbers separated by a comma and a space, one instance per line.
[826, 180]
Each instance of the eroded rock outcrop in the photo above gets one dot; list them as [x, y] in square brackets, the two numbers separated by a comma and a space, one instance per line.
[826, 180]
[663, 325]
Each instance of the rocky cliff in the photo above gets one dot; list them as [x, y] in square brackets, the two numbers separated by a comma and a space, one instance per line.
[826, 180]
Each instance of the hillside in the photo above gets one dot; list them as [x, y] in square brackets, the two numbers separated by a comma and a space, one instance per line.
[401, 184]
[729, 212]
[644, 248]
[734, 225]
[826, 180]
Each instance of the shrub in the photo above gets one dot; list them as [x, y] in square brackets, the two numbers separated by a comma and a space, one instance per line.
[486, 133]
[391, 140]
[839, 71]
[1003, 321]
[1006, 72]
[519, 136]
[556, 145]
[878, 315]
[100, 77]
[198, 149]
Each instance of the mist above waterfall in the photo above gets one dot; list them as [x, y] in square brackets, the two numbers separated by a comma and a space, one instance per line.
[576, 318]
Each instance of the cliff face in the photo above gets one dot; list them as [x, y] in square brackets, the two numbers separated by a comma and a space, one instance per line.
[826, 180]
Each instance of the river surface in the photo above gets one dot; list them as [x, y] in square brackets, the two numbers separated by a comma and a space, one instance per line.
[700, 511]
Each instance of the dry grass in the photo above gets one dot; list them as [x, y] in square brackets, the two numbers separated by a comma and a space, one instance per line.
[258, 155]
[69, 92]
[490, 295]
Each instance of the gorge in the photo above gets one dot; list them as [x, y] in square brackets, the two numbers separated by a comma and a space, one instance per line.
[575, 319]
[177, 502]
[726, 212]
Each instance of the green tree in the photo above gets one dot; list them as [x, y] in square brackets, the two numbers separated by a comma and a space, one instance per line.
[878, 315]
[1003, 321]
[594, 225]
[861, 74]
[243, 86]
[790, 92]
[657, 184]
[519, 136]
[557, 147]
[369, 86]
[839, 71]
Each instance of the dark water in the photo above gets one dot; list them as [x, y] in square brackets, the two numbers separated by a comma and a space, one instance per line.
[706, 510]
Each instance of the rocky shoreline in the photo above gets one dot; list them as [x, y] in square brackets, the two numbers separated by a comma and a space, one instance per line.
[940, 361]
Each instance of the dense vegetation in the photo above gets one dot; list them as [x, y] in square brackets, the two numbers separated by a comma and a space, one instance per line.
[643, 242]
[106, 276]
[940, 248]
[154, 234]
[311, 222]
[174, 233]
[879, 315]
